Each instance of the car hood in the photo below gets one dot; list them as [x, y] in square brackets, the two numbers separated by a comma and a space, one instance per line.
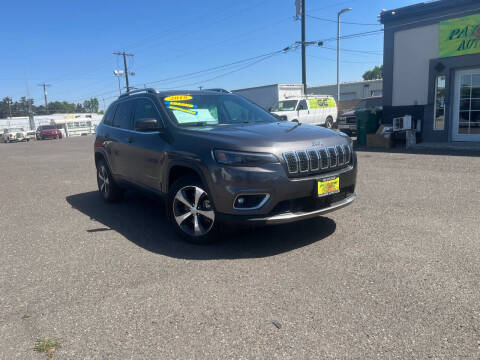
[271, 137]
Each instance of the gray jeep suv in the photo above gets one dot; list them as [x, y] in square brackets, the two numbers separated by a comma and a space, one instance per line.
[217, 158]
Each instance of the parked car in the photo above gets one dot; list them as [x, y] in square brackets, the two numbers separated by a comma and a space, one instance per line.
[347, 121]
[14, 134]
[31, 134]
[218, 158]
[310, 109]
[48, 132]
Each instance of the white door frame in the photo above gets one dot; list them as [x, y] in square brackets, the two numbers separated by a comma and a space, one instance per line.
[456, 107]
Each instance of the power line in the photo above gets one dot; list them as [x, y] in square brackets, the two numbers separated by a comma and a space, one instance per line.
[354, 51]
[342, 22]
[343, 61]
[221, 66]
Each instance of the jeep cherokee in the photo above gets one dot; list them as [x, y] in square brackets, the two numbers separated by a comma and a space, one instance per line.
[217, 158]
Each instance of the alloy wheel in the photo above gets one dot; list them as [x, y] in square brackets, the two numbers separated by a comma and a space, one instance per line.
[193, 211]
[103, 180]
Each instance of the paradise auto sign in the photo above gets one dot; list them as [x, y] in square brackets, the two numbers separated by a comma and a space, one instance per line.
[460, 36]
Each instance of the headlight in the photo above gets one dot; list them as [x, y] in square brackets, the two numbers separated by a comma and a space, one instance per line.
[243, 158]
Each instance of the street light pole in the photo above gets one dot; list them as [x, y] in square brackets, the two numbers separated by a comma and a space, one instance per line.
[338, 51]
[304, 65]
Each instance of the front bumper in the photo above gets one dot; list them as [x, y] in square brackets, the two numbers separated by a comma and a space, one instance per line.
[290, 199]
[287, 217]
[351, 127]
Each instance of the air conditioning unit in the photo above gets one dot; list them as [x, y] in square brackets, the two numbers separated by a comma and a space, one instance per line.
[402, 123]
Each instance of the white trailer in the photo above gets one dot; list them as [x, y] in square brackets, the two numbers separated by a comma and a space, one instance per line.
[267, 96]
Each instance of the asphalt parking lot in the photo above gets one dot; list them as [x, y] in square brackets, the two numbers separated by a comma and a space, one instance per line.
[394, 276]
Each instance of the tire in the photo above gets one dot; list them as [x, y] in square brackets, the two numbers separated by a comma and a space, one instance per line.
[329, 123]
[107, 187]
[191, 211]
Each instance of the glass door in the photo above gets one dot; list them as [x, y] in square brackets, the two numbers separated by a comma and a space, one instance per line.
[466, 117]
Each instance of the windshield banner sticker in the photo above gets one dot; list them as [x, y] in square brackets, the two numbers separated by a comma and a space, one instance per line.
[175, 103]
[178, 98]
[182, 109]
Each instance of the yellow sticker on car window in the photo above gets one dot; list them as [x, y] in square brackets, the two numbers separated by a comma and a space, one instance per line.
[178, 98]
[174, 103]
[183, 110]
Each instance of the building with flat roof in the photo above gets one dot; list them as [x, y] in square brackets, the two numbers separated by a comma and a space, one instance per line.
[432, 68]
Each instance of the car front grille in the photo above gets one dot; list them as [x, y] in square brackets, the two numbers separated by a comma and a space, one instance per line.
[317, 160]
[19, 135]
[351, 120]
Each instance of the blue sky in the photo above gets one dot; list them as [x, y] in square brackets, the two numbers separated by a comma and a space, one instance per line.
[69, 44]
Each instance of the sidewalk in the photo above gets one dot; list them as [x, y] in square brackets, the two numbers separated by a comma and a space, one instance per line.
[451, 146]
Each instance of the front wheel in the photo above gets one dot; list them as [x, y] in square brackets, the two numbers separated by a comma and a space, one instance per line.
[329, 123]
[191, 210]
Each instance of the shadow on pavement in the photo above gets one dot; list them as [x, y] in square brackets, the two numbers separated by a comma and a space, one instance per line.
[142, 220]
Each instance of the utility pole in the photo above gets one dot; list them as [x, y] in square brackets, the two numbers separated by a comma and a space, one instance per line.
[304, 65]
[45, 94]
[338, 51]
[9, 108]
[124, 54]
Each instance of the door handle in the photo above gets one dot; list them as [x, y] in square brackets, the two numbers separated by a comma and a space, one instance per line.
[130, 140]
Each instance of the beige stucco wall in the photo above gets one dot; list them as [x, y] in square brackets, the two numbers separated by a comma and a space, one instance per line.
[413, 50]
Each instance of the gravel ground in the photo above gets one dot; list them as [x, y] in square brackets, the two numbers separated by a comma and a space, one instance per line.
[394, 276]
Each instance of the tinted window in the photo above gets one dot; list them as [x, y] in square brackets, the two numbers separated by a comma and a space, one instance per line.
[108, 117]
[302, 105]
[123, 115]
[145, 109]
[288, 105]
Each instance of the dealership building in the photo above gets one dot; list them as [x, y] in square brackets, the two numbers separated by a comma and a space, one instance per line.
[432, 68]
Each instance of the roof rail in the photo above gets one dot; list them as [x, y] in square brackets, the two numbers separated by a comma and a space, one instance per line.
[219, 90]
[147, 90]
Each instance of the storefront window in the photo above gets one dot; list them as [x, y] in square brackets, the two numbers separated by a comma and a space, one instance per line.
[439, 116]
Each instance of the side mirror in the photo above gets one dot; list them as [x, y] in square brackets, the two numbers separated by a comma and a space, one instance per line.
[148, 125]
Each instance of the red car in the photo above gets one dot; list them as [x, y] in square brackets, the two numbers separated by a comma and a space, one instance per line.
[48, 132]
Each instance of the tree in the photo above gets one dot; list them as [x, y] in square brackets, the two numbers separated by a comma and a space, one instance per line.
[374, 74]
[91, 105]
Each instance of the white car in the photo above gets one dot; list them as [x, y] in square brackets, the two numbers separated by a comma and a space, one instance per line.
[310, 109]
[14, 134]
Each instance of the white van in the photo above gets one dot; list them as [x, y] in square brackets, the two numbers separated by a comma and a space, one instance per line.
[310, 109]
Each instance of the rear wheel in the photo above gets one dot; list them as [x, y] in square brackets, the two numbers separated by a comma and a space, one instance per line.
[191, 210]
[329, 123]
[106, 185]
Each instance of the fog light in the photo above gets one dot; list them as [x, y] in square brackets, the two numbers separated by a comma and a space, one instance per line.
[250, 201]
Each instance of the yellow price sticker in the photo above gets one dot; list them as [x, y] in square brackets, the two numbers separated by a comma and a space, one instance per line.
[178, 98]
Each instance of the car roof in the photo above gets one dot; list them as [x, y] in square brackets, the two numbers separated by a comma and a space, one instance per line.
[141, 93]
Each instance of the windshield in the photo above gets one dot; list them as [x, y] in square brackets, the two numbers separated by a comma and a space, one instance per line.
[369, 103]
[15, 129]
[287, 105]
[46, 127]
[214, 110]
